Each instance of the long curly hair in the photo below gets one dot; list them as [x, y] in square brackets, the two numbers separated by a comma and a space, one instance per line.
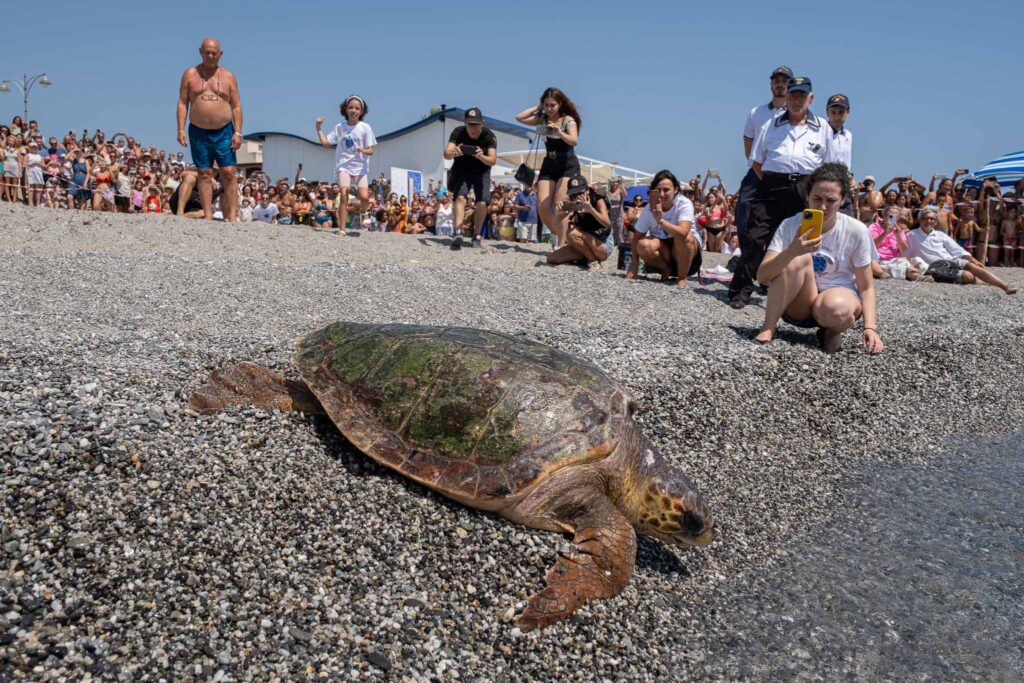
[565, 105]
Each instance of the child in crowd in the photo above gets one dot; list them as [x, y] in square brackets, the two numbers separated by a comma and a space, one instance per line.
[153, 203]
[1008, 230]
[731, 245]
[245, 211]
[947, 221]
[165, 201]
[986, 234]
[137, 196]
[967, 227]
[1020, 229]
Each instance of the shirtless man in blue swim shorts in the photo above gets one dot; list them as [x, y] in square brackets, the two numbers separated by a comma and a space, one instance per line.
[209, 98]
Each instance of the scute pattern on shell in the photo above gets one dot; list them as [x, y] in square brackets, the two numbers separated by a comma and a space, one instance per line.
[471, 413]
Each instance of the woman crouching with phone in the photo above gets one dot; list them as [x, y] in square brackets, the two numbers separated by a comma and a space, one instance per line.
[821, 281]
[664, 237]
[586, 213]
[558, 123]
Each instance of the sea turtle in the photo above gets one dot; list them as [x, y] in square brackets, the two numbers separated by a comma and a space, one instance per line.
[497, 423]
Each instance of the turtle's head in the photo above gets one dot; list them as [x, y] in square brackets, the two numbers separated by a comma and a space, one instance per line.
[663, 503]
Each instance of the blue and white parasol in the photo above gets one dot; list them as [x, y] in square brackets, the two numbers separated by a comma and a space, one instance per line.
[1007, 169]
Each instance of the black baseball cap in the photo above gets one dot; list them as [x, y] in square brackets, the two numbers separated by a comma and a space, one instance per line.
[473, 115]
[839, 100]
[784, 70]
[800, 83]
[577, 184]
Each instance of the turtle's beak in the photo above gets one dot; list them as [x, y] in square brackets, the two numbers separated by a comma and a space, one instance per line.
[704, 538]
[699, 525]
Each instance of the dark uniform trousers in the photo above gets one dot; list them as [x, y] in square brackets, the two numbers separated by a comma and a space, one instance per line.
[748, 190]
[778, 198]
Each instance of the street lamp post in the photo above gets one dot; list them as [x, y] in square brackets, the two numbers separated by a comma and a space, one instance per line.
[25, 86]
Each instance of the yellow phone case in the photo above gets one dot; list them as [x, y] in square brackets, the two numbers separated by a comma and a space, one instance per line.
[810, 224]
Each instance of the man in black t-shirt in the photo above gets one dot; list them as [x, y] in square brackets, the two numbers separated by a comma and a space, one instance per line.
[474, 150]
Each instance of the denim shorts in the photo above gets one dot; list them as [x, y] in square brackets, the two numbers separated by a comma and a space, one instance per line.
[210, 145]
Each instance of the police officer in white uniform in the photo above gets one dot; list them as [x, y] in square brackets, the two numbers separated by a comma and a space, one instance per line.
[838, 108]
[786, 150]
[758, 116]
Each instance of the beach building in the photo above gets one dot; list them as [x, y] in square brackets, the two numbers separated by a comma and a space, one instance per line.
[409, 157]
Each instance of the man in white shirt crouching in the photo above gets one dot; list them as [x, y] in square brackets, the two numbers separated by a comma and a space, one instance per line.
[947, 261]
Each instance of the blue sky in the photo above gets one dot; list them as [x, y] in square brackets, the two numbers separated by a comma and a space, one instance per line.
[933, 86]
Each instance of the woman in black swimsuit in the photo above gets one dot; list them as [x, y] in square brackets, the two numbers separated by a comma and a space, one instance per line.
[558, 121]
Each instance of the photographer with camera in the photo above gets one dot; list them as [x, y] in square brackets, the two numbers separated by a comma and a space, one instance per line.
[558, 122]
[474, 149]
[586, 214]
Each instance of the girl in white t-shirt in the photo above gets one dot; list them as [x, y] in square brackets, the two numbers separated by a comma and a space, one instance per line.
[825, 282]
[443, 220]
[354, 142]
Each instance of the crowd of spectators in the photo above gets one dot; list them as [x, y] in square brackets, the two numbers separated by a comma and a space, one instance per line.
[89, 171]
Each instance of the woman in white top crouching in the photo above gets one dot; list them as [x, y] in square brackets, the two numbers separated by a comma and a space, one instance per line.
[825, 282]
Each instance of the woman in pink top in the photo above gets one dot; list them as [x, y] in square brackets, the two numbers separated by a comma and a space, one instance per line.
[890, 236]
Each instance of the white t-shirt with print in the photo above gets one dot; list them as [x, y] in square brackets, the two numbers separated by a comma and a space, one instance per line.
[264, 214]
[443, 220]
[682, 210]
[845, 247]
[349, 139]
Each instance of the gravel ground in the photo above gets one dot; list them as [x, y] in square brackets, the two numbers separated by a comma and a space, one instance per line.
[141, 541]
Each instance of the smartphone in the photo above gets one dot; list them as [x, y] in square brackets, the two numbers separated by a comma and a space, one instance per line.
[573, 206]
[891, 220]
[810, 224]
[468, 150]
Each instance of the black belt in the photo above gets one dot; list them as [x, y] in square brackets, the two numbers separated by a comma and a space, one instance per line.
[789, 177]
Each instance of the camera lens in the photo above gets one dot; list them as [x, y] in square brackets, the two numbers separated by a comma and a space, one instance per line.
[808, 215]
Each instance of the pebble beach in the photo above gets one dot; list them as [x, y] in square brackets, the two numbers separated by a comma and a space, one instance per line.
[143, 541]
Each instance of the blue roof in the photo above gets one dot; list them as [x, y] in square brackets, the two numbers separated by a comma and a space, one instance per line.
[450, 112]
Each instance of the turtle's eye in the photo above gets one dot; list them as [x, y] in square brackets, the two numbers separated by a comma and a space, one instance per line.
[693, 524]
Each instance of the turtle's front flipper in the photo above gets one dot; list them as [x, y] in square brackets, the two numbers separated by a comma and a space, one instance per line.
[598, 565]
[247, 383]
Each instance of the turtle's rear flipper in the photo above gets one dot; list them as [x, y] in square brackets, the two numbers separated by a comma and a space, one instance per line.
[247, 383]
[598, 565]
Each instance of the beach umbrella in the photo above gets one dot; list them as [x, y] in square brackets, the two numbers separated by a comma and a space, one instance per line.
[631, 192]
[1007, 169]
